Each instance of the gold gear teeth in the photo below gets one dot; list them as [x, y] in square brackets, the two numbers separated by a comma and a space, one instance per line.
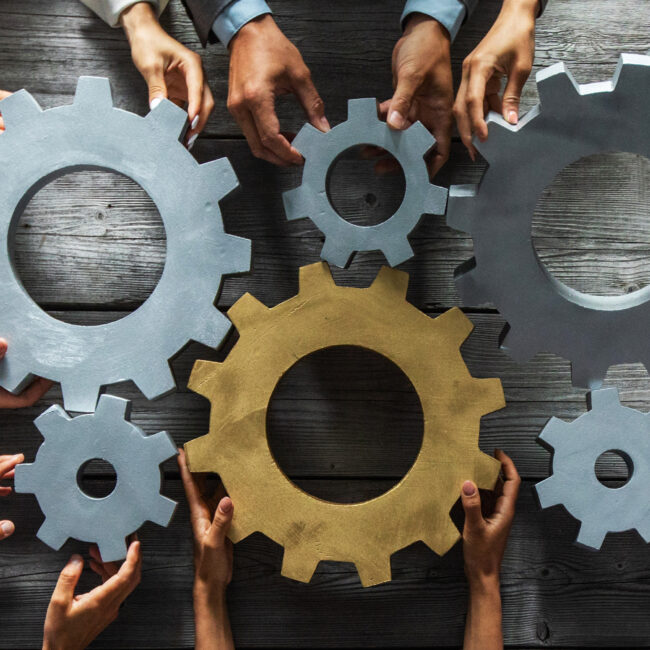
[377, 318]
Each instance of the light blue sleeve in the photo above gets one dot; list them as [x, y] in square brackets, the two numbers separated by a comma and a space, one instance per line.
[235, 15]
[449, 13]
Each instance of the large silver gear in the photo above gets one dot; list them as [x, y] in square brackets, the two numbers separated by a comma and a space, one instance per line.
[320, 150]
[69, 444]
[39, 146]
[543, 314]
[608, 426]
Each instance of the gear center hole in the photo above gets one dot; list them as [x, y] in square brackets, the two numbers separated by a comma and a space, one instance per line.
[97, 478]
[90, 240]
[345, 424]
[614, 468]
[365, 186]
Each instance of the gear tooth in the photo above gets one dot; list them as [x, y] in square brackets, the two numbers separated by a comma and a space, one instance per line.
[112, 549]
[364, 109]
[161, 511]
[200, 454]
[549, 493]
[443, 537]
[398, 251]
[556, 87]
[333, 253]
[643, 528]
[554, 433]
[456, 325]
[168, 118]
[460, 207]
[235, 255]
[161, 446]
[436, 201]
[492, 397]
[314, 277]
[468, 285]
[374, 570]
[297, 203]
[632, 72]
[585, 376]
[247, 312]
[392, 280]
[219, 173]
[156, 381]
[211, 329]
[591, 536]
[307, 139]
[203, 373]
[240, 528]
[517, 344]
[603, 399]
[421, 137]
[49, 422]
[79, 396]
[24, 478]
[94, 92]
[499, 132]
[298, 565]
[51, 535]
[19, 108]
[113, 408]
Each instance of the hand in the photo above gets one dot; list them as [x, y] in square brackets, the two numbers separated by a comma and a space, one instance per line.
[212, 561]
[170, 69]
[7, 465]
[3, 94]
[263, 65]
[423, 84]
[29, 396]
[74, 621]
[507, 50]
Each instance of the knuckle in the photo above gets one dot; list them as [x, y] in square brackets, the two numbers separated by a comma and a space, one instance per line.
[234, 104]
[250, 95]
[268, 140]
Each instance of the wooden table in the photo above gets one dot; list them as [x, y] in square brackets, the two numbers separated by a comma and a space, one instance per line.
[90, 247]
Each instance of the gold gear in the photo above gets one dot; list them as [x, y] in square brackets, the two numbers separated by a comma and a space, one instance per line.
[427, 350]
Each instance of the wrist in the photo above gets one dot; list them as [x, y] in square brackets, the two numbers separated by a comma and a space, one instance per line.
[137, 17]
[418, 21]
[523, 8]
[484, 584]
[210, 594]
[253, 29]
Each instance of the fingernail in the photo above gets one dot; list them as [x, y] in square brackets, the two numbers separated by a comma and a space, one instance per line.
[513, 117]
[195, 121]
[469, 489]
[225, 505]
[395, 119]
[17, 458]
[76, 560]
[192, 140]
[7, 528]
[154, 102]
[325, 124]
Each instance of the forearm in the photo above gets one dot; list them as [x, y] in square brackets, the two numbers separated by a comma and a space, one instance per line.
[136, 18]
[483, 624]
[211, 622]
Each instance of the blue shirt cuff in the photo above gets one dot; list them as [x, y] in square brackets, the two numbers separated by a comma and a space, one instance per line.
[235, 15]
[449, 13]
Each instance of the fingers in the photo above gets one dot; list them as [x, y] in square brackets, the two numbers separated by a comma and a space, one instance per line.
[478, 80]
[103, 569]
[28, 397]
[471, 500]
[310, 100]
[68, 579]
[400, 104]
[512, 94]
[7, 464]
[268, 129]
[154, 76]
[198, 123]
[7, 529]
[3, 348]
[506, 503]
[221, 521]
[199, 511]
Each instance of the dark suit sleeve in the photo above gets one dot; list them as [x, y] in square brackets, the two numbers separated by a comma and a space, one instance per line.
[203, 13]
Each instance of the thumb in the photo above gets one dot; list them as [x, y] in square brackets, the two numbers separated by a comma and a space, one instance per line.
[221, 521]
[7, 528]
[471, 505]
[68, 578]
[511, 95]
[400, 104]
[157, 87]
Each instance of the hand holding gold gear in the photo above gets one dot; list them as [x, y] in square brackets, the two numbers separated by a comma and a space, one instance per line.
[324, 315]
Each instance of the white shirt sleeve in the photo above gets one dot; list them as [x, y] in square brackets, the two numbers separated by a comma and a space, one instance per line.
[110, 10]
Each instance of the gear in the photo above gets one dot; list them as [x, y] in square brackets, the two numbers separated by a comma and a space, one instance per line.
[323, 315]
[320, 150]
[39, 146]
[69, 444]
[608, 426]
[572, 121]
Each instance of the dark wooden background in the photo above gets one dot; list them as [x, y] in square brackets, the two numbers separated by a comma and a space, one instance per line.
[91, 246]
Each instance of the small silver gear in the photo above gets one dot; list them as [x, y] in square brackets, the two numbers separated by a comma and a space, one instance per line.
[543, 314]
[38, 146]
[320, 150]
[68, 444]
[608, 426]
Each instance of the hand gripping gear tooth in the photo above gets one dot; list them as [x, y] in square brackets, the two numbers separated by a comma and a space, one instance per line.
[323, 315]
[571, 122]
[608, 426]
[320, 150]
[68, 444]
[39, 146]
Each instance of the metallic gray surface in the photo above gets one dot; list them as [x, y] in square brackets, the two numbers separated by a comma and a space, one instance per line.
[577, 445]
[39, 146]
[69, 443]
[571, 122]
[320, 150]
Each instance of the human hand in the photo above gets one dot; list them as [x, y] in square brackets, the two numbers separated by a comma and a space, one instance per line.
[263, 65]
[508, 50]
[423, 86]
[3, 94]
[29, 396]
[7, 466]
[72, 622]
[170, 69]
